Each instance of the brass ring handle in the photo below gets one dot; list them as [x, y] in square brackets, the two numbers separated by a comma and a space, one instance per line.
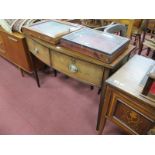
[73, 68]
[36, 51]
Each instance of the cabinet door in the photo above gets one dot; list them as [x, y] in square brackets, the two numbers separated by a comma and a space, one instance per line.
[127, 116]
[17, 51]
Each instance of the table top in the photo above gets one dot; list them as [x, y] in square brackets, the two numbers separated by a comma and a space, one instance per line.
[132, 76]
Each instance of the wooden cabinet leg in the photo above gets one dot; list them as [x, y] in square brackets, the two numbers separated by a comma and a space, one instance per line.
[103, 88]
[101, 128]
[104, 105]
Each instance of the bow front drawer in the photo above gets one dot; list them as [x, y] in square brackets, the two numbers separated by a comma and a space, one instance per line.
[40, 51]
[78, 69]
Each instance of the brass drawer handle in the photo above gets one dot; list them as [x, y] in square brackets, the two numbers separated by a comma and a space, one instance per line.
[13, 39]
[73, 68]
[36, 51]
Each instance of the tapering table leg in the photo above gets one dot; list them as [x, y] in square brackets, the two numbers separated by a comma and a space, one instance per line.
[35, 69]
[22, 72]
[55, 72]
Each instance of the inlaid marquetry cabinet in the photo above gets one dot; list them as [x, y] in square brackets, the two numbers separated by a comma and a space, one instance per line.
[124, 103]
[128, 113]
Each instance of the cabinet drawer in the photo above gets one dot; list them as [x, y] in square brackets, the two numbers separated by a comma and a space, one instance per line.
[78, 69]
[40, 51]
[123, 114]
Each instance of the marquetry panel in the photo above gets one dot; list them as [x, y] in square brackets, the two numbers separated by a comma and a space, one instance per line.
[125, 115]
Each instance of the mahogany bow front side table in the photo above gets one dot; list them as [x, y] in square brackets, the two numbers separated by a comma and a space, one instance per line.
[44, 42]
